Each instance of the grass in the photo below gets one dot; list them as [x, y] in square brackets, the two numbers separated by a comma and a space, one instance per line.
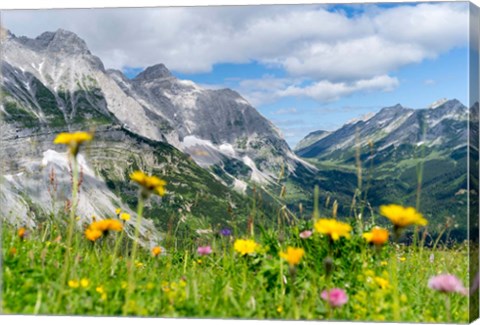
[225, 284]
[110, 276]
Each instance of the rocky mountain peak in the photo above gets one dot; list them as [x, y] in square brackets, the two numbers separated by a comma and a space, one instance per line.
[438, 103]
[59, 41]
[158, 71]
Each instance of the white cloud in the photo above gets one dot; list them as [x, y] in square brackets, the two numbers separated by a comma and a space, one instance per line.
[306, 40]
[285, 111]
[269, 89]
[337, 54]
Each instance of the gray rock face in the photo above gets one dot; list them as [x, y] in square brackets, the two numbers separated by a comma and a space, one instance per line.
[158, 71]
[59, 41]
[311, 138]
[53, 83]
[445, 126]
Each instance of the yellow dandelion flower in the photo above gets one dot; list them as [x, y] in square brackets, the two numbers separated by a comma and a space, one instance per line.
[101, 291]
[139, 264]
[73, 140]
[22, 232]
[333, 228]
[402, 216]
[114, 225]
[383, 263]
[279, 309]
[98, 228]
[381, 282]
[84, 283]
[245, 246]
[93, 234]
[156, 251]
[150, 184]
[74, 284]
[117, 211]
[402, 259]
[125, 216]
[378, 236]
[293, 255]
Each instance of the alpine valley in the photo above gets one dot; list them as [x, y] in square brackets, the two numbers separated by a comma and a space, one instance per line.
[215, 150]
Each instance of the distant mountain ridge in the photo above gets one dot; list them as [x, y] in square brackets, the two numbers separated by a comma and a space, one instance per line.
[392, 151]
[444, 126]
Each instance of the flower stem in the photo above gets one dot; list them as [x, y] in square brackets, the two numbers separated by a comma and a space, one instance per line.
[447, 308]
[131, 266]
[394, 279]
[118, 241]
[71, 225]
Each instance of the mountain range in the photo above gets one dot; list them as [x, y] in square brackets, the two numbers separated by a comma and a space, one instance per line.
[212, 146]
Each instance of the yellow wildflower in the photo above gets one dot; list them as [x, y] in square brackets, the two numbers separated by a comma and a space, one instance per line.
[98, 228]
[402, 259]
[333, 228]
[93, 234]
[377, 236]
[381, 282]
[101, 291]
[74, 284]
[73, 140]
[293, 255]
[149, 183]
[22, 232]
[245, 246]
[402, 216]
[125, 216]
[139, 264]
[156, 250]
[383, 263]
[117, 211]
[84, 283]
[279, 309]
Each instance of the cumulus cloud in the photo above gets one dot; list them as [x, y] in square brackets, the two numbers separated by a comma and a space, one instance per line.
[303, 39]
[338, 53]
[270, 89]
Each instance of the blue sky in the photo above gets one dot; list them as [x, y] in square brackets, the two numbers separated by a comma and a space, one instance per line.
[304, 67]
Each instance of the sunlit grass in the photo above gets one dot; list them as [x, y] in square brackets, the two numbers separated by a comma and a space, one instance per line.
[316, 267]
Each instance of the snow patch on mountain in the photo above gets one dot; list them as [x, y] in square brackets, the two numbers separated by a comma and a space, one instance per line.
[438, 103]
[257, 175]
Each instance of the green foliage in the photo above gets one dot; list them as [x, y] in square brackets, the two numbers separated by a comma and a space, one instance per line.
[180, 283]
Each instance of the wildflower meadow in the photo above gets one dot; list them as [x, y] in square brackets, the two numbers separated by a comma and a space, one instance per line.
[320, 267]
